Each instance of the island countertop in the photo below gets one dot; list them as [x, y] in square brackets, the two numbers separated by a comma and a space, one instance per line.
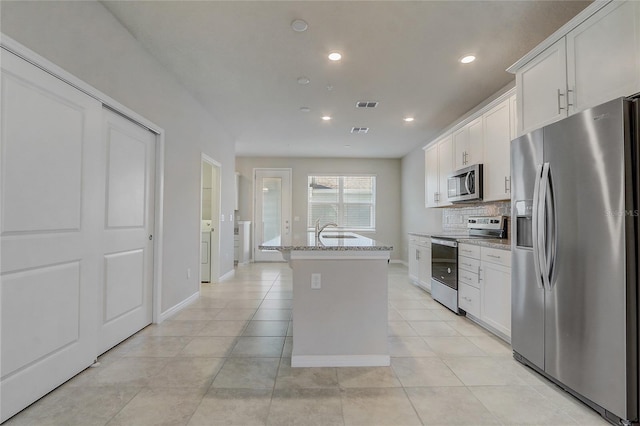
[332, 241]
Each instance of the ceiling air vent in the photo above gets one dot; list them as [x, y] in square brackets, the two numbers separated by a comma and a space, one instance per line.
[359, 129]
[366, 104]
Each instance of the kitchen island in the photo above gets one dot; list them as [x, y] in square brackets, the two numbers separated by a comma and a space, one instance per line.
[340, 299]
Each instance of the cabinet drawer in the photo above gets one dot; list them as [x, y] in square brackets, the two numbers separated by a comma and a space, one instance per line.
[424, 241]
[468, 264]
[469, 251]
[469, 299]
[468, 278]
[501, 257]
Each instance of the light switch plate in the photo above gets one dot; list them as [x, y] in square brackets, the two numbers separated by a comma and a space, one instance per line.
[316, 281]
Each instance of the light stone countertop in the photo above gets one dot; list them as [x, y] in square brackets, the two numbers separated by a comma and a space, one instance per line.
[497, 243]
[346, 241]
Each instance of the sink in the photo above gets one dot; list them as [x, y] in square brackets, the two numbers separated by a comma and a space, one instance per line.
[338, 236]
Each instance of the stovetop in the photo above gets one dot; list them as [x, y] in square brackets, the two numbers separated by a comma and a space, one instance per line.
[481, 227]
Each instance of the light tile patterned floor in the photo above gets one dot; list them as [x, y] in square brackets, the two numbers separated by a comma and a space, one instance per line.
[225, 360]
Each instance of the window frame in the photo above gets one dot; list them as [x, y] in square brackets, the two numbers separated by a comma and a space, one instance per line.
[340, 203]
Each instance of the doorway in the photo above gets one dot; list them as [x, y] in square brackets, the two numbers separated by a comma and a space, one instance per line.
[272, 198]
[210, 220]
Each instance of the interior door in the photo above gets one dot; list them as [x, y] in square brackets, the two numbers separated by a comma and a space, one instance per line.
[52, 197]
[127, 280]
[272, 192]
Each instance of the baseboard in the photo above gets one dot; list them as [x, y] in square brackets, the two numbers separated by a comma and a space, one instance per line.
[180, 306]
[402, 262]
[340, 361]
[228, 275]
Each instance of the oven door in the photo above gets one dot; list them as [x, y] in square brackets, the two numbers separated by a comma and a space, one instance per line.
[444, 262]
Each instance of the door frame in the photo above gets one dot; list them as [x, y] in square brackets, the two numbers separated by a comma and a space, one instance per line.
[215, 213]
[255, 218]
[32, 57]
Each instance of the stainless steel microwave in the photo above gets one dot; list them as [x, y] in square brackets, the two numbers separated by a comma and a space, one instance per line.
[465, 185]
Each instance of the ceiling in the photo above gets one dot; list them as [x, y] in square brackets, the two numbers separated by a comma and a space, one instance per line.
[242, 60]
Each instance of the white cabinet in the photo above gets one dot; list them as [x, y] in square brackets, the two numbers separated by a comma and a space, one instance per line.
[497, 138]
[205, 257]
[484, 287]
[438, 165]
[603, 56]
[467, 144]
[420, 261]
[469, 279]
[596, 60]
[541, 86]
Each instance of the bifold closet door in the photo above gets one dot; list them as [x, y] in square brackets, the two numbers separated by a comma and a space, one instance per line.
[126, 285]
[52, 172]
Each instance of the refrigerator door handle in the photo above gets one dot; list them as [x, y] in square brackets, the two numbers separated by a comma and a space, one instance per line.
[551, 233]
[542, 226]
[534, 226]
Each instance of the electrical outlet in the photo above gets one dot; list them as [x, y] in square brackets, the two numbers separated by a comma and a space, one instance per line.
[316, 281]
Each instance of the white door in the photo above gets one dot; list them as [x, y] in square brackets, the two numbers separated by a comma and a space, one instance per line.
[52, 197]
[272, 192]
[497, 160]
[431, 176]
[445, 167]
[126, 286]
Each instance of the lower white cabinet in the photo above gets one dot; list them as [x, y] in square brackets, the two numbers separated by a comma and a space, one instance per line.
[242, 242]
[484, 286]
[420, 261]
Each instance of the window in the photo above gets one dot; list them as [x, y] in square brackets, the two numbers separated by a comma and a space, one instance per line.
[349, 201]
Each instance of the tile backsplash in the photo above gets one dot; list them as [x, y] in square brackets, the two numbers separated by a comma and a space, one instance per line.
[455, 218]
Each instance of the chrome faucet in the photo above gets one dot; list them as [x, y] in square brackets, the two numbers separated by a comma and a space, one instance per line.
[319, 229]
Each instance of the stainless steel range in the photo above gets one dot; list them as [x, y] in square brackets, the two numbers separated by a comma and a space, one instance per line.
[444, 256]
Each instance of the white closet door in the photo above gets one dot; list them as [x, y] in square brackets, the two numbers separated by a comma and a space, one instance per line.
[127, 279]
[51, 198]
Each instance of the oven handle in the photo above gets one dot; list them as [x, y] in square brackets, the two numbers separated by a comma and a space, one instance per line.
[447, 243]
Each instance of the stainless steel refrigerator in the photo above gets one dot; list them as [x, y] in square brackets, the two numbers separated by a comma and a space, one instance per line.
[575, 190]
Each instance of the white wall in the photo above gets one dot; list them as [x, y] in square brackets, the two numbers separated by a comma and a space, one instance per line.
[415, 216]
[388, 198]
[86, 40]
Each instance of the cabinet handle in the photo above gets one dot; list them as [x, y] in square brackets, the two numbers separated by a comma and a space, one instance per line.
[560, 108]
[494, 256]
[574, 98]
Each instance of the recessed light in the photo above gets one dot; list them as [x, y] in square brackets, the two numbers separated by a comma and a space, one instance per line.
[303, 80]
[467, 59]
[326, 117]
[408, 119]
[335, 56]
[305, 109]
[298, 25]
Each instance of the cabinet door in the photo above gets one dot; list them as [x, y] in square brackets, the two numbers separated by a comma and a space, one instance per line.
[460, 147]
[431, 176]
[495, 297]
[541, 88]
[476, 138]
[467, 144]
[497, 138]
[424, 268]
[603, 56]
[414, 259]
[513, 114]
[445, 167]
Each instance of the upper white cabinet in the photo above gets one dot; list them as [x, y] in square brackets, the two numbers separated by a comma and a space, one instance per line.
[595, 60]
[497, 138]
[541, 88]
[484, 138]
[603, 56]
[467, 144]
[438, 165]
